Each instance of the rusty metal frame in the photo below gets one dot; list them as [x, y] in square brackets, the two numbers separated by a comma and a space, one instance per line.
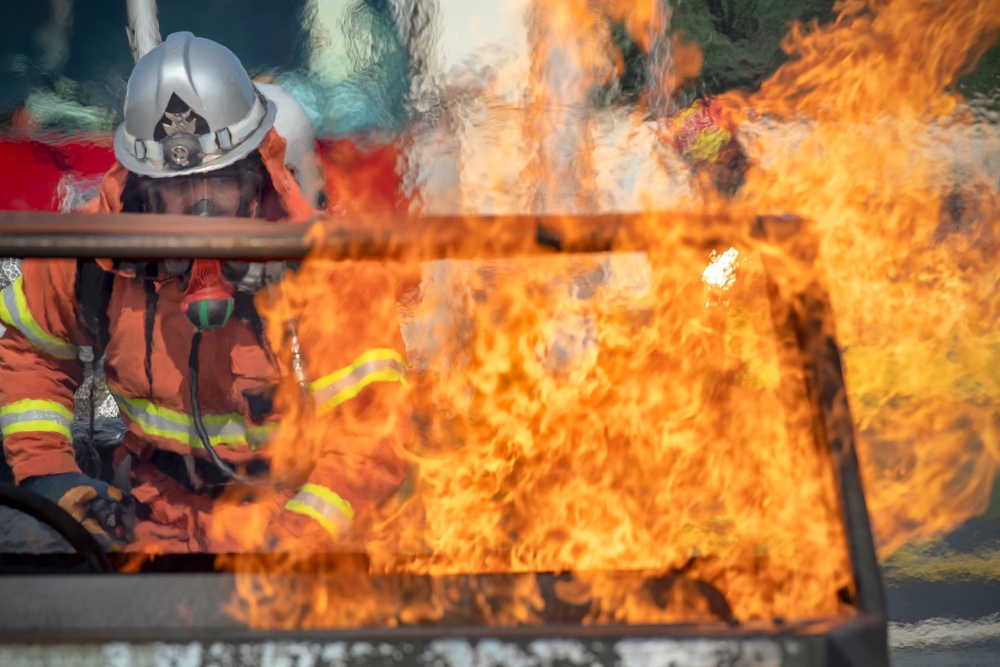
[63, 608]
[135, 235]
[802, 314]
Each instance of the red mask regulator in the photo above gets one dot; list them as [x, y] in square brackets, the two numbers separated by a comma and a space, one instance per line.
[208, 300]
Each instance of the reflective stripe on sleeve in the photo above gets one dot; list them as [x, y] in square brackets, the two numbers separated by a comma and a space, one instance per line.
[14, 312]
[32, 415]
[223, 429]
[376, 365]
[320, 503]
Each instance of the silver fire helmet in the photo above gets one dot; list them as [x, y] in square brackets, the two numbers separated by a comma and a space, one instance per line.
[190, 108]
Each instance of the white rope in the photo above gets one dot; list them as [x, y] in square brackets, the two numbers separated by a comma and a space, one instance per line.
[143, 28]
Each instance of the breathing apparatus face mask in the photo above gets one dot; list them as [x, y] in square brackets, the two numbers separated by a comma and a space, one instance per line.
[209, 284]
[208, 195]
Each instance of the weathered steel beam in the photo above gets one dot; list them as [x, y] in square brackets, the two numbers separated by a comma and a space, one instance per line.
[172, 607]
[132, 235]
[803, 316]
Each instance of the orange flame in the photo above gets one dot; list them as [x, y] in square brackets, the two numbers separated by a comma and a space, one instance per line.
[626, 416]
[594, 414]
[878, 150]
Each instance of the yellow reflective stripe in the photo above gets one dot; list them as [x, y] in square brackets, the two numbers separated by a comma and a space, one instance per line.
[386, 375]
[376, 365]
[226, 429]
[301, 508]
[14, 312]
[330, 497]
[320, 503]
[34, 416]
[259, 435]
[38, 426]
[375, 354]
[183, 437]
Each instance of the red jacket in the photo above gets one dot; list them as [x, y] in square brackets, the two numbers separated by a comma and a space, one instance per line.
[356, 370]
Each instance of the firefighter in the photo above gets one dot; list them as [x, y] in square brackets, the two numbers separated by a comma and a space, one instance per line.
[187, 356]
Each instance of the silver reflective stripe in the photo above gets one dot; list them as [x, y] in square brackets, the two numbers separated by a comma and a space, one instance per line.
[330, 515]
[10, 419]
[228, 430]
[357, 375]
[35, 416]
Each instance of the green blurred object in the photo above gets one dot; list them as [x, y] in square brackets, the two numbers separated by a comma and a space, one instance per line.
[57, 108]
[993, 511]
[741, 39]
[741, 44]
[983, 83]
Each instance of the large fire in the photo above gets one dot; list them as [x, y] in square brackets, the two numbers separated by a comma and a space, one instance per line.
[625, 416]
[892, 166]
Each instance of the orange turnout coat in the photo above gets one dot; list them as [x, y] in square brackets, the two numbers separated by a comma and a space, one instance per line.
[355, 375]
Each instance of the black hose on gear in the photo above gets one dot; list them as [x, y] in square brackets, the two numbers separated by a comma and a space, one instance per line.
[199, 425]
[49, 513]
[149, 319]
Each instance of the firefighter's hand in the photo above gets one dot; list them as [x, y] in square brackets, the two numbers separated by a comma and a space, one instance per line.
[102, 509]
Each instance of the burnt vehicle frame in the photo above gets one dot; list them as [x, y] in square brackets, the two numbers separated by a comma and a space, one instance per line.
[50, 616]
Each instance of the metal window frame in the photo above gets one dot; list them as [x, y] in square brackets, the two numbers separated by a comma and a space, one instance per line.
[76, 616]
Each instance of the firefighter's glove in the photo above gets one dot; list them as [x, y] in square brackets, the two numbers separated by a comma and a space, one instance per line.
[102, 509]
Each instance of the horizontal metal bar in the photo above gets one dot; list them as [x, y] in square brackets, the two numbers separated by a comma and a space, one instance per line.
[163, 606]
[132, 235]
[846, 643]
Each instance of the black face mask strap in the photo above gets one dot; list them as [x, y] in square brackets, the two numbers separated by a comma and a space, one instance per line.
[199, 425]
[152, 296]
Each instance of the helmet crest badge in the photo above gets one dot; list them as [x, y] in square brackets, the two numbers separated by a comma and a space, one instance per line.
[181, 147]
[179, 122]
